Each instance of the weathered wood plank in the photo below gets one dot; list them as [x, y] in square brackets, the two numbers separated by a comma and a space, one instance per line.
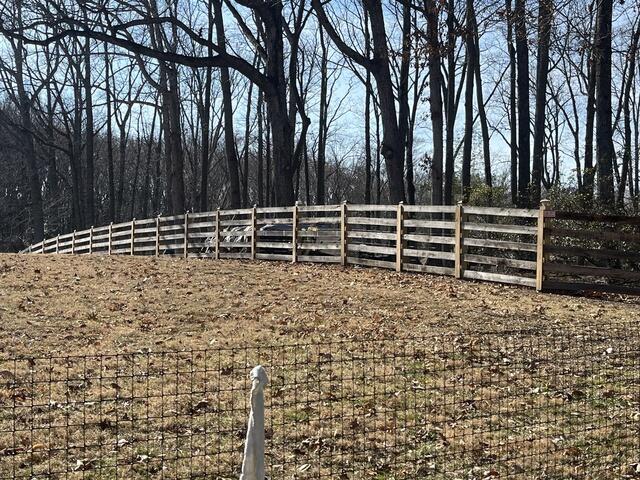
[319, 258]
[367, 262]
[371, 208]
[286, 245]
[441, 225]
[500, 278]
[418, 267]
[419, 238]
[496, 228]
[364, 234]
[450, 209]
[500, 261]
[372, 249]
[502, 212]
[319, 246]
[273, 256]
[380, 222]
[413, 253]
[500, 244]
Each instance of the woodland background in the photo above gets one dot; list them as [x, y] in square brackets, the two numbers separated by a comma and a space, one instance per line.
[115, 109]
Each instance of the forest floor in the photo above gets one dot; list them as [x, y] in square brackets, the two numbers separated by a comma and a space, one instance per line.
[99, 304]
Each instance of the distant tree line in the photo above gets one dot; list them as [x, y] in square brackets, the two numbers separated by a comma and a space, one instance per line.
[113, 109]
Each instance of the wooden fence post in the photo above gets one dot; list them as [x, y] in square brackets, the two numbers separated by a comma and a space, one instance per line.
[91, 240]
[253, 232]
[110, 237]
[73, 243]
[399, 235]
[133, 236]
[57, 244]
[540, 255]
[217, 239]
[157, 236]
[343, 234]
[186, 234]
[294, 237]
[459, 241]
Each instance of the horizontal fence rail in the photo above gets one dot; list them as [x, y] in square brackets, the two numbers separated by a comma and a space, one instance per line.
[525, 404]
[538, 248]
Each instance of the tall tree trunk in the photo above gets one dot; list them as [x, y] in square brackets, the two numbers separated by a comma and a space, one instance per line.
[367, 118]
[261, 200]
[404, 124]
[322, 122]
[435, 101]
[589, 170]
[231, 156]
[482, 113]
[367, 141]
[449, 171]
[468, 101]
[513, 97]
[522, 53]
[605, 152]
[545, 19]
[28, 148]
[89, 137]
[109, 139]
[247, 148]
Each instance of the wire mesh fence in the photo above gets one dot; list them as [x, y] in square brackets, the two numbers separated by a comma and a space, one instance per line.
[522, 404]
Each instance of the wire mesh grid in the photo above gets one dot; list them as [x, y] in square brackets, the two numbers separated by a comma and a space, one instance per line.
[522, 404]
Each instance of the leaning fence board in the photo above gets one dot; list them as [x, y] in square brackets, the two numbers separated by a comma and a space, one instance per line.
[500, 278]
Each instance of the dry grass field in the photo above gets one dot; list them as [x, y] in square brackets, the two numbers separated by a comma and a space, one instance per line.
[436, 399]
[111, 304]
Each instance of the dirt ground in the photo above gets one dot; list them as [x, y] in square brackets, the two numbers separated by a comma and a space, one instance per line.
[99, 304]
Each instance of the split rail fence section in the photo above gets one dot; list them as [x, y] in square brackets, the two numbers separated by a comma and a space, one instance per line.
[538, 248]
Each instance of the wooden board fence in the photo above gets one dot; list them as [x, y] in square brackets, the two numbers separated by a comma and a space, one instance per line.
[538, 248]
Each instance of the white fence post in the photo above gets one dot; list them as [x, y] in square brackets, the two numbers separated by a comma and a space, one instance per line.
[253, 461]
